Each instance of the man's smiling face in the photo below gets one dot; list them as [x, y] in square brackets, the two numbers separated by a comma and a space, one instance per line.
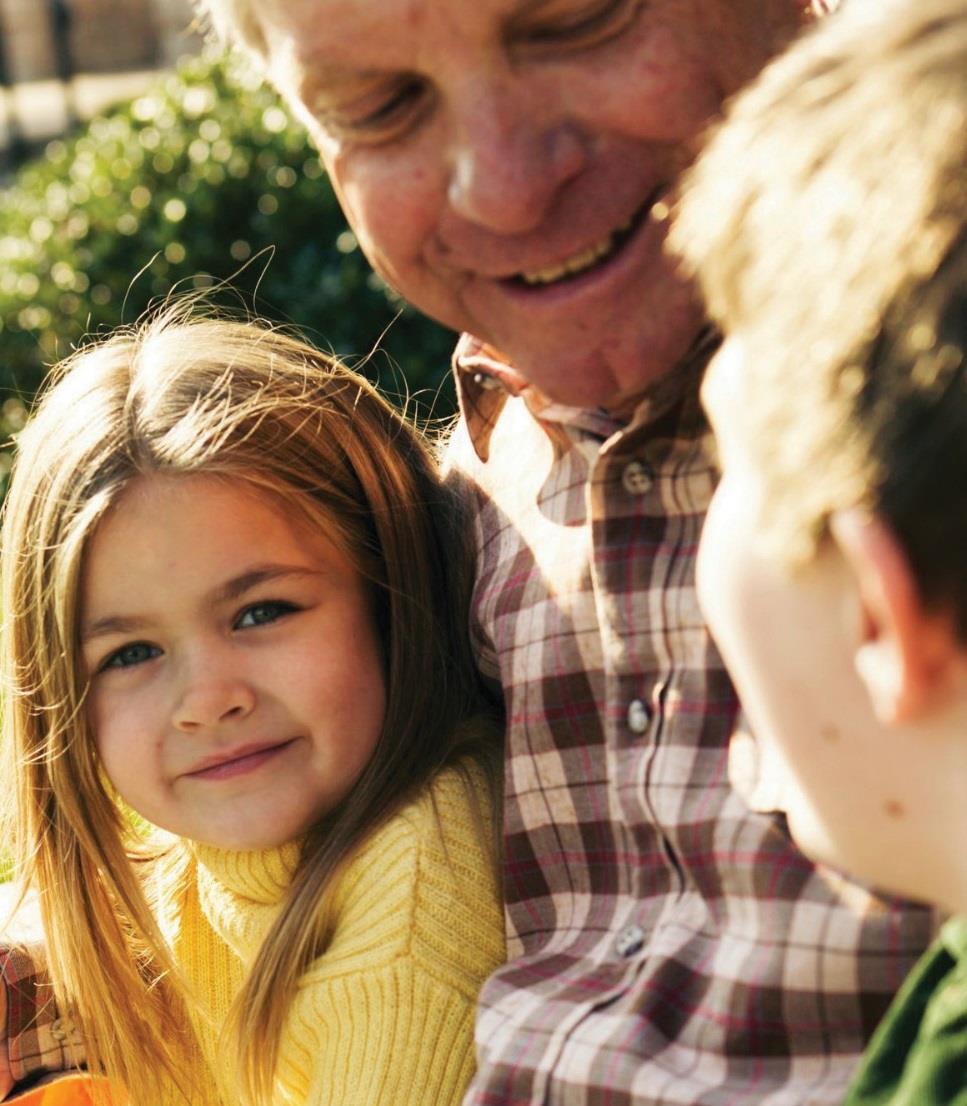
[504, 163]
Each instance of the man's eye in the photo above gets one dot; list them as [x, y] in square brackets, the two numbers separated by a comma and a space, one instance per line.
[261, 614]
[379, 117]
[137, 652]
[583, 25]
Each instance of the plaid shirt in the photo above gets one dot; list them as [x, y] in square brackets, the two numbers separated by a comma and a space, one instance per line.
[35, 1041]
[668, 945]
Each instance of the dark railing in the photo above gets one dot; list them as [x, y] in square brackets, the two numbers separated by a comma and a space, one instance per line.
[60, 29]
[75, 54]
[15, 146]
[59, 20]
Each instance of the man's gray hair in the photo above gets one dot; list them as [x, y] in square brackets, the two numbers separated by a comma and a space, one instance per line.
[234, 21]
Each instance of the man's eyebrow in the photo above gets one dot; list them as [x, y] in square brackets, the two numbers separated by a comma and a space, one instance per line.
[318, 74]
[319, 70]
[525, 8]
[234, 588]
[319, 80]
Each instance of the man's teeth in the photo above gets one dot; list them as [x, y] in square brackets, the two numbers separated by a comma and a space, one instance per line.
[580, 261]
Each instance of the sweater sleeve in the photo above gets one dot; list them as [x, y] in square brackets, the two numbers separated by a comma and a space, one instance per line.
[386, 1016]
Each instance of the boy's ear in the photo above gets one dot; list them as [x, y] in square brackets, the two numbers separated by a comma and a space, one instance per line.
[906, 655]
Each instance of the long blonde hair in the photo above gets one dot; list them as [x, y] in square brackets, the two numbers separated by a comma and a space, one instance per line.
[184, 395]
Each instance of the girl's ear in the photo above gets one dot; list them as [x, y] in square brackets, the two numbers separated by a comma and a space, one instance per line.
[906, 655]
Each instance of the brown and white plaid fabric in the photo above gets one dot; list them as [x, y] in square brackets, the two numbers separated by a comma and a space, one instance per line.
[668, 945]
[36, 1040]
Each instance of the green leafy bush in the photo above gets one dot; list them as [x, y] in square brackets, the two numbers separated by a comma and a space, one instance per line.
[201, 180]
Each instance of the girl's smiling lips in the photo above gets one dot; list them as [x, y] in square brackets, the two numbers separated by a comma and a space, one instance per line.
[238, 762]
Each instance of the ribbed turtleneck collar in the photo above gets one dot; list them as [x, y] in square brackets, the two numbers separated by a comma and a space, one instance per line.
[240, 892]
[259, 875]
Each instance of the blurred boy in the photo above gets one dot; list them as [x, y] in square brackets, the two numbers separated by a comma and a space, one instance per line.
[826, 225]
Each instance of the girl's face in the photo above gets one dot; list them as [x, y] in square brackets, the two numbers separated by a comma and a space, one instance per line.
[237, 688]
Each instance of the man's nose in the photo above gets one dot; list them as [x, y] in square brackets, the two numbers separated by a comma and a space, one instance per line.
[210, 695]
[506, 164]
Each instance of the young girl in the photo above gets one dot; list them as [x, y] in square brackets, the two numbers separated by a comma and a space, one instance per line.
[234, 611]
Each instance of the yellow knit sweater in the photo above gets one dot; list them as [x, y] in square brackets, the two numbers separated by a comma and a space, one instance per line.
[385, 1016]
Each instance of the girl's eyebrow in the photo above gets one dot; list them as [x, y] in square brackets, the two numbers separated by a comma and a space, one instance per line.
[234, 588]
[112, 624]
[245, 581]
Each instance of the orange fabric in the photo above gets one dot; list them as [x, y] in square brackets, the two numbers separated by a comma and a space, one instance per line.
[72, 1090]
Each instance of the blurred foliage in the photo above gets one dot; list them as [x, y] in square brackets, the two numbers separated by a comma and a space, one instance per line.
[181, 189]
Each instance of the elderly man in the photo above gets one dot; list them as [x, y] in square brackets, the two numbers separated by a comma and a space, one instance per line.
[507, 166]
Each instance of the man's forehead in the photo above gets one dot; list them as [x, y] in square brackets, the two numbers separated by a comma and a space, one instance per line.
[315, 44]
[317, 25]
[319, 44]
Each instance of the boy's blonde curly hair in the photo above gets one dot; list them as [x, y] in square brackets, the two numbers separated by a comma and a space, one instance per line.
[825, 224]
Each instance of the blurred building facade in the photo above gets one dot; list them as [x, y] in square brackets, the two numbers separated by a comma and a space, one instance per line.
[97, 36]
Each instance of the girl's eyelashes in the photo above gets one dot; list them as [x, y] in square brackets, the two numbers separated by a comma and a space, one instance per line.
[134, 653]
[264, 613]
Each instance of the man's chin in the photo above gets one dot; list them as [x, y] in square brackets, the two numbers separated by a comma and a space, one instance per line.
[614, 371]
[591, 382]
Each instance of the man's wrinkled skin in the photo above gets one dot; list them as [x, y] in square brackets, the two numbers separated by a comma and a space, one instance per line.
[472, 143]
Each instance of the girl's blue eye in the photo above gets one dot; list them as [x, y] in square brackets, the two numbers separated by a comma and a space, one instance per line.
[261, 614]
[137, 652]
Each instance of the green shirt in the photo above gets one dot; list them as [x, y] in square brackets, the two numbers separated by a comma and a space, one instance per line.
[918, 1054]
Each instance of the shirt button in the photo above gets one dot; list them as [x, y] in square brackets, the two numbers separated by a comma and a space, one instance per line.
[63, 1030]
[637, 716]
[637, 478]
[629, 941]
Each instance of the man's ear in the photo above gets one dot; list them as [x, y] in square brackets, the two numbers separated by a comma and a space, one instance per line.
[905, 654]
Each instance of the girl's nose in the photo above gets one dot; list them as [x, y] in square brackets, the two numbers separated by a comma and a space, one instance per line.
[213, 699]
